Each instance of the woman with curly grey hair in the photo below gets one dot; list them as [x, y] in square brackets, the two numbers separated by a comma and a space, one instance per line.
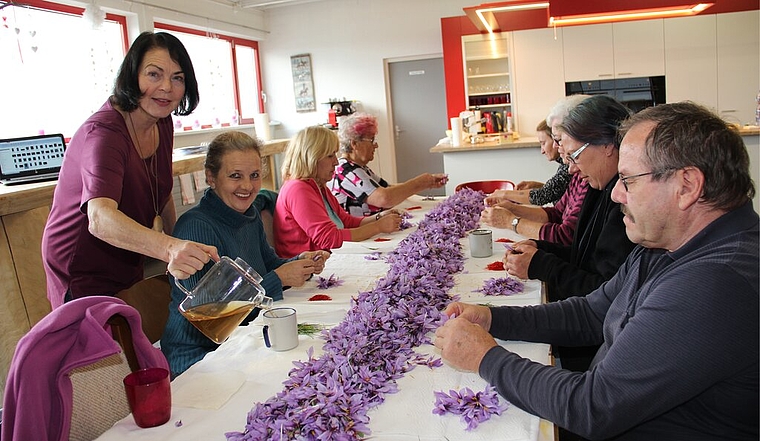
[360, 191]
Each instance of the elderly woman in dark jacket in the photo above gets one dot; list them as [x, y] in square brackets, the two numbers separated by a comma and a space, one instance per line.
[590, 145]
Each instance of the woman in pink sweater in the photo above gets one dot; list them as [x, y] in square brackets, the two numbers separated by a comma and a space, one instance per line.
[307, 216]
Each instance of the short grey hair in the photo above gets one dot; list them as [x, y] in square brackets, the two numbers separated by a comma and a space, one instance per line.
[562, 108]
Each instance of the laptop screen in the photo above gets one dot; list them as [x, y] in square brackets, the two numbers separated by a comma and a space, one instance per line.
[31, 158]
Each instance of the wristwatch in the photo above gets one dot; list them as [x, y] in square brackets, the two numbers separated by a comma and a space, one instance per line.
[515, 221]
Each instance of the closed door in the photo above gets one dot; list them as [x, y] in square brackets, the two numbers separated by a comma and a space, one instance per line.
[418, 109]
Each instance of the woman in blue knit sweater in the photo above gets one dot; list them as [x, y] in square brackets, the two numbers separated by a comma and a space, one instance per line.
[226, 218]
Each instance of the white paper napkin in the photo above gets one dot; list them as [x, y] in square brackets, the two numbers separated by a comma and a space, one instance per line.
[207, 390]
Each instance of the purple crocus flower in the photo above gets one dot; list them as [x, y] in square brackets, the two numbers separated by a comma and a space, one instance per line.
[325, 283]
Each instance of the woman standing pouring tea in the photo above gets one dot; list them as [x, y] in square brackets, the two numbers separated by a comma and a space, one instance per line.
[113, 200]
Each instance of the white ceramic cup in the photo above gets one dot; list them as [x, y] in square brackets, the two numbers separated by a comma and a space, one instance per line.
[281, 329]
[481, 243]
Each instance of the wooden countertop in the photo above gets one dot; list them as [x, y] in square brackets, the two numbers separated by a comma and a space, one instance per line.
[749, 130]
[23, 197]
[191, 163]
[502, 143]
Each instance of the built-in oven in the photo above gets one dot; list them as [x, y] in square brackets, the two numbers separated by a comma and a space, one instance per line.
[635, 93]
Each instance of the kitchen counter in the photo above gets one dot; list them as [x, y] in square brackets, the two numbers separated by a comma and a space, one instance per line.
[521, 160]
[749, 130]
[501, 143]
[514, 160]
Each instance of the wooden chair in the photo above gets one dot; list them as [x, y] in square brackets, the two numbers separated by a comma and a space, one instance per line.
[99, 400]
[151, 298]
[73, 343]
[265, 201]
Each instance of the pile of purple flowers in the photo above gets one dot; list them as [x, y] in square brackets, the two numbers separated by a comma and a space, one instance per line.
[474, 407]
[327, 398]
[504, 286]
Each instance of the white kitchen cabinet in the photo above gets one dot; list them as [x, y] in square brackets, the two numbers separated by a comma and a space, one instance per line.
[488, 73]
[588, 52]
[618, 50]
[540, 77]
[638, 48]
[738, 53]
[691, 64]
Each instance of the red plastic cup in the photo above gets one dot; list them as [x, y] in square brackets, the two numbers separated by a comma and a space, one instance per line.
[149, 396]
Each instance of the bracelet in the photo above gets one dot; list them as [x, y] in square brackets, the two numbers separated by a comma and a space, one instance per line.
[377, 216]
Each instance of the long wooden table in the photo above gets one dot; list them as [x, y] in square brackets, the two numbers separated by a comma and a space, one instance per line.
[215, 395]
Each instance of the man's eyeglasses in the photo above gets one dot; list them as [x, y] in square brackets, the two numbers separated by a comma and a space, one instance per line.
[557, 140]
[372, 141]
[573, 157]
[625, 179]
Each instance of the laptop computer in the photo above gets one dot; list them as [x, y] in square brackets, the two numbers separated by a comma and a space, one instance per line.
[31, 159]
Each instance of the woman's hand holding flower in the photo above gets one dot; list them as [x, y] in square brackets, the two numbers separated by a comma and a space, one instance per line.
[389, 222]
[296, 272]
[497, 217]
[318, 257]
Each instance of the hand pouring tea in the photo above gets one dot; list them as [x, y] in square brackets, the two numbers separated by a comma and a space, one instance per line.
[223, 297]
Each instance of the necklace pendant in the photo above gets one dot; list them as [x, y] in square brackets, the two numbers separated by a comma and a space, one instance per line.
[158, 224]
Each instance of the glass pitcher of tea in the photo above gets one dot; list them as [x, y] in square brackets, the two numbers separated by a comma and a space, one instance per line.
[223, 298]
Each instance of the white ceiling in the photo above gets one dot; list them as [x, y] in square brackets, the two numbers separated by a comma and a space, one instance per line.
[263, 4]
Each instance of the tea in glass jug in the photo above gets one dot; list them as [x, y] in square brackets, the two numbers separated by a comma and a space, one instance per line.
[223, 298]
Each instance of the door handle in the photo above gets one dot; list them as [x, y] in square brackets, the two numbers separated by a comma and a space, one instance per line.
[398, 130]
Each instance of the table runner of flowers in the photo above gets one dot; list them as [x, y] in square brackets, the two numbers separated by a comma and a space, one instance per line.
[327, 397]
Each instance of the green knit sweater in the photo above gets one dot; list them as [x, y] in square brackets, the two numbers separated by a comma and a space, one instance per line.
[234, 234]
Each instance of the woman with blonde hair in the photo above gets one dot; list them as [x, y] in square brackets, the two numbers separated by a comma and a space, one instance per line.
[307, 216]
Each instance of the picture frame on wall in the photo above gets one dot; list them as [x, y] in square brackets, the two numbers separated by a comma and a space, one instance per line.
[303, 84]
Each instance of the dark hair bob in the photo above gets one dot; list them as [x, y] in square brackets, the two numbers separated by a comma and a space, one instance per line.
[126, 90]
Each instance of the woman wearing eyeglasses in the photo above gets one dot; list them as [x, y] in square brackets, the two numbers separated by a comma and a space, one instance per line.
[557, 223]
[590, 145]
[540, 193]
[359, 190]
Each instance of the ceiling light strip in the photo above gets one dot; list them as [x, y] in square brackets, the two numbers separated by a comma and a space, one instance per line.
[521, 7]
[630, 15]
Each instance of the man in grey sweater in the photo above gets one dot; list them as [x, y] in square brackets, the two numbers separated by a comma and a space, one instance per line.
[677, 324]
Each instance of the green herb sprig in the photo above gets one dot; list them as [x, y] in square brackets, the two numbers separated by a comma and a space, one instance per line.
[310, 329]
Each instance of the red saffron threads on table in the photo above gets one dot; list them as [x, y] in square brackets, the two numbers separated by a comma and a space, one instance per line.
[496, 266]
[416, 207]
[504, 240]
[317, 297]
[382, 239]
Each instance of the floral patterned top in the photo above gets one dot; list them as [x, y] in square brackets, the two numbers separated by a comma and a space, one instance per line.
[553, 189]
[352, 184]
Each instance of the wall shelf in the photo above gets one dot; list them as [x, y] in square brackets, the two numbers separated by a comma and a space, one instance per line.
[489, 106]
[490, 75]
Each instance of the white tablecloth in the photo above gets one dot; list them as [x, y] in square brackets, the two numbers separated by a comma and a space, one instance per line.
[215, 395]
